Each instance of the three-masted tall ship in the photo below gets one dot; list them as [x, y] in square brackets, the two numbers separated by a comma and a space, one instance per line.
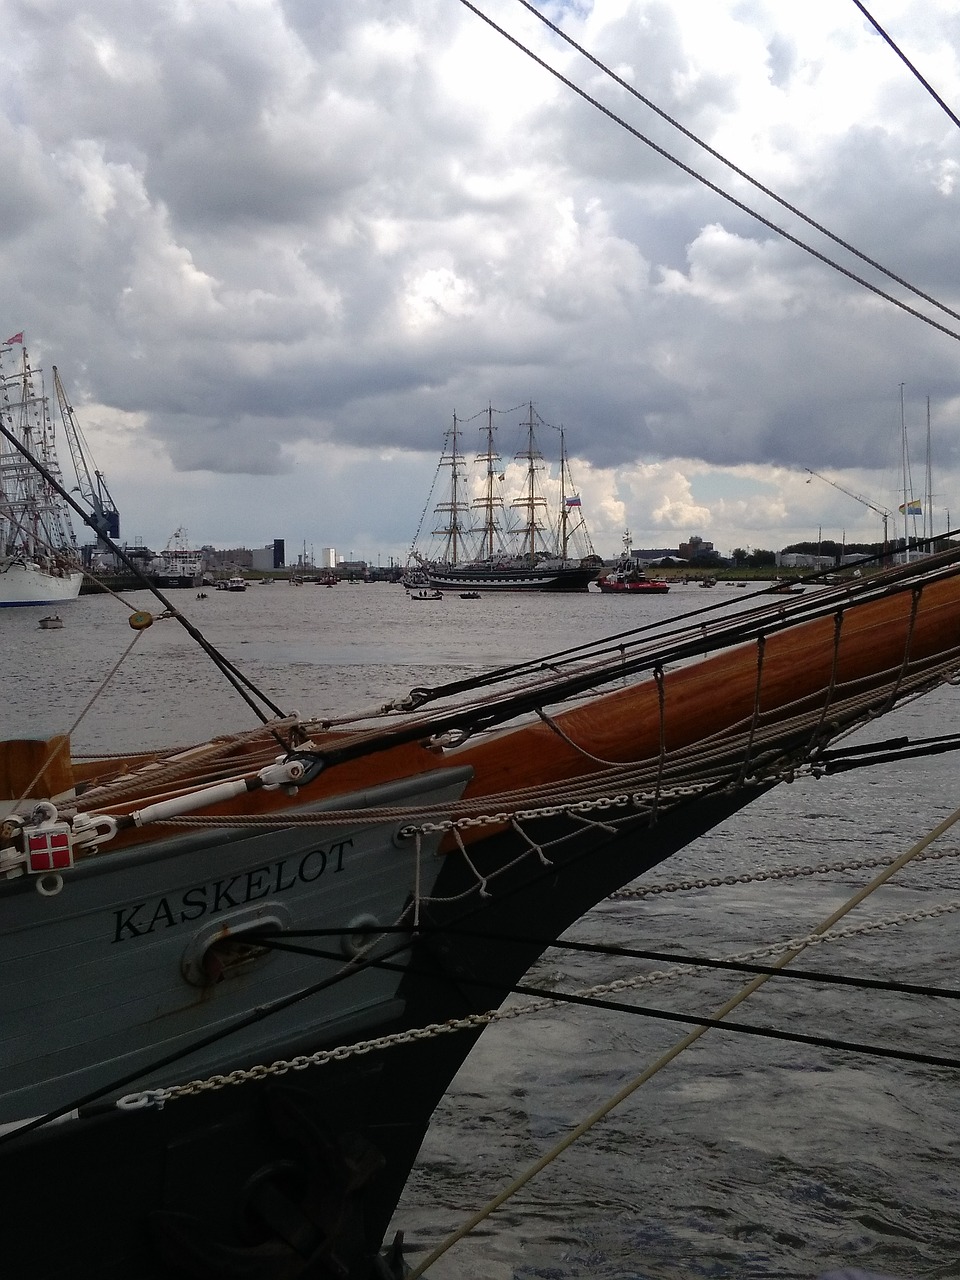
[486, 543]
[39, 556]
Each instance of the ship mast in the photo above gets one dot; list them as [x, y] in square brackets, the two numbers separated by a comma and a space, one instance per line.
[563, 498]
[491, 501]
[928, 509]
[530, 502]
[453, 530]
[909, 502]
[36, 524]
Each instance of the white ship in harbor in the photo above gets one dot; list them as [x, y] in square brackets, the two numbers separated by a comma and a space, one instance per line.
[39, 556]
[179, 564]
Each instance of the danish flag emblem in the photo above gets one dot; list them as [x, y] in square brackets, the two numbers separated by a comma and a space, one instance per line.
[49, 850]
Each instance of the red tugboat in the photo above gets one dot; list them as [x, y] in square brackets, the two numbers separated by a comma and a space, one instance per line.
[628, 578]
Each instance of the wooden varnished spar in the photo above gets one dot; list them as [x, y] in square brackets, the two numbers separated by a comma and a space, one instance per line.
[861, 646]
[718, 693]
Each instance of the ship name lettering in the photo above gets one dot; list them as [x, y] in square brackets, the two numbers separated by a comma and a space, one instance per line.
[201, 900]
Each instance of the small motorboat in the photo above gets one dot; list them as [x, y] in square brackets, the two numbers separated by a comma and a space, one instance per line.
[51, 623]
[426, 593]
[469, 595]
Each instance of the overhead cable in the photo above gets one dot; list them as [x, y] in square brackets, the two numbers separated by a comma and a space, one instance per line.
[905, 60]
[712, 186]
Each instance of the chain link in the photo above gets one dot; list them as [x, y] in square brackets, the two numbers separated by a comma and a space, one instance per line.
[770, 873]
[192, 1088]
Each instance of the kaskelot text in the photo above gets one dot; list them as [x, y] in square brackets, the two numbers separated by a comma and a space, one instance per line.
[208, 899]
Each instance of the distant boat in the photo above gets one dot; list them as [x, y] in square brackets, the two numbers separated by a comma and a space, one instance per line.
[426, 593]
[51, 623]
[532, 554]
[628, 578]
[230, 969]
[238, 1020]
[39, 555]
[179, 564]
[631, 582]
[236, 583]
[469, 595]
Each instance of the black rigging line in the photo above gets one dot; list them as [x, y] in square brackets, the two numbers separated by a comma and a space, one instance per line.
[688, 1020]
[904, 59]
[510, 703]
[712, 186]
[620, 640]
[241, 683]
[734, 168]
[254, 1016]
[279, 942]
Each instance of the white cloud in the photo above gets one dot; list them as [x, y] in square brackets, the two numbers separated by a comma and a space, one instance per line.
[270, 235]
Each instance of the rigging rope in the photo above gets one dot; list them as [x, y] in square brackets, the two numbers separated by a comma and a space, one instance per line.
[674, 1052]
[905, 60]
[64, 742]
[241, 683]
[724, 195]
[742, 173]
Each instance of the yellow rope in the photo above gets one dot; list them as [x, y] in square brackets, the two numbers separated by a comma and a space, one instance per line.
[631, 1087]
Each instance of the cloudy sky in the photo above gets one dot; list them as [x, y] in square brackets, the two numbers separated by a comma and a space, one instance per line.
[274, 245]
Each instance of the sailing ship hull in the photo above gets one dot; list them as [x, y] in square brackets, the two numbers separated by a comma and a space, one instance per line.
[150, 972]
[271, 1163]
[23, 582]
[484, 577]
[195, 1189]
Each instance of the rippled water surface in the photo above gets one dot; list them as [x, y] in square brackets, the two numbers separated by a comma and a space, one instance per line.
[744, 1157]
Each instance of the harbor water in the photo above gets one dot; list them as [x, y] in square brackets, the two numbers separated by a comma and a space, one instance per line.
[746, 1156]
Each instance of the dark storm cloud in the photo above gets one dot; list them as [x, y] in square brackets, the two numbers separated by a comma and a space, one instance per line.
[257, 228]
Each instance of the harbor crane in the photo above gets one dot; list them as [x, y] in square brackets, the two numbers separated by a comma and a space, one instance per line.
[93, 488]
[881, 511]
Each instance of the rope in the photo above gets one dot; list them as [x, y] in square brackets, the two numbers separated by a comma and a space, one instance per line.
[185, 762]
[742, 173]
[712, 186]
[915, 596]
[565, 737]
[661, 740]
[755, 718]
[834, 664]
[475, 1021]
[64, 742]
[674, 1052]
